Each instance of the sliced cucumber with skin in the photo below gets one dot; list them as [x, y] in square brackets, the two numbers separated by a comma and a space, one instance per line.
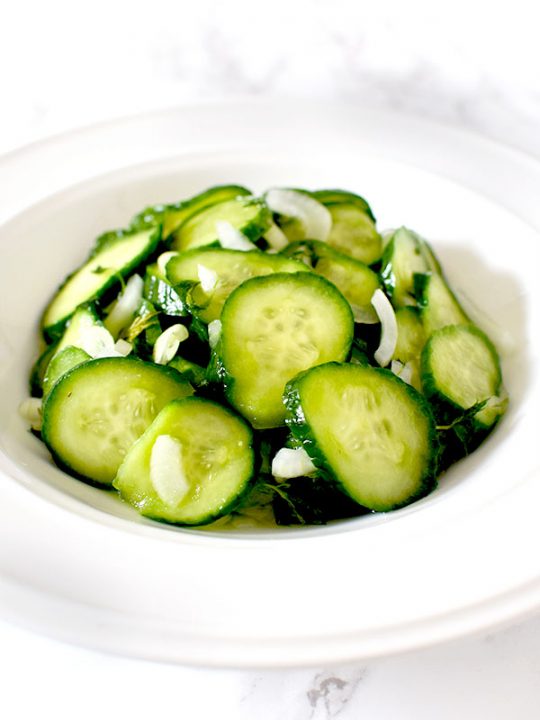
[354, 233]
[248, 215]
[410, 341]
[411, 335]
[232, 267]
[39, 369]
[405, 255]
[334, 197]
[438, 304]
[116, 259]
[191, 466]
[173, 215]
[461, 369]
[367, 430]
[351, 225]
[63, 361]
[96, 411]
[353, 278]
[272, 328]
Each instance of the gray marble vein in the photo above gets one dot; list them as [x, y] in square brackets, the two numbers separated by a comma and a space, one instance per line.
[332, 691]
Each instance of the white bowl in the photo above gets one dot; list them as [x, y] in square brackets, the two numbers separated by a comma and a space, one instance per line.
[78, 564]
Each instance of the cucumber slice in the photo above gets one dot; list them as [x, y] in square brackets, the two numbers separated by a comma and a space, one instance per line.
[333, 197]
[367, 430]
[349, 225]
[94, 414]
[116, 258]
[64, 361]
[354, 233]
[461, 369]
[353, 278]
[232, 267]
[410, 341]
[193, 464]
[438, 303]
[248, 215]
[272, 328]
[172, 216]
[405, 255]
[411, 335]
[39, 369]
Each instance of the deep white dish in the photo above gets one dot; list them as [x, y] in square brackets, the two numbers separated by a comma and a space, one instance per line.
[77, 564]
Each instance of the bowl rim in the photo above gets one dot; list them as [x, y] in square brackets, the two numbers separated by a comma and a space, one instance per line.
[499, 608]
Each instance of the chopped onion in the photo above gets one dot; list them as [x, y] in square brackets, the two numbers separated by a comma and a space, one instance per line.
[97, 341]
[276, 238]
[403, 371]
[163, 259]
[232, 239]
[30, 410]
[389, 331]
[167, 473]
[214, 333]
[289, 463]
[123, 347]
[168, 342]
[207, 277]
[124, 309]
[314, 216]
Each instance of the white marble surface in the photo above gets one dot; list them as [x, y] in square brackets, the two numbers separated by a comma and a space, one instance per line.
[473, 64]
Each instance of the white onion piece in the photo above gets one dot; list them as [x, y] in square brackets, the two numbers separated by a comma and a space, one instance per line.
[168, 342]
[289, 463]
[163, 259]
[123, 347]
[214, 333]
[389, 331]
[314, 216]
[364, 315]
[97, 341]
[167, 473]
[125, 307]
[30, 411]
[403, 371]
[232, 239]
[207, 277]
[276, 238]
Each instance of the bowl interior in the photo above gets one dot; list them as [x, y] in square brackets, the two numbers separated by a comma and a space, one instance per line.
[470, 234]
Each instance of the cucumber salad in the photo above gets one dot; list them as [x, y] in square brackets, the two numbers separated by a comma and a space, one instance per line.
[234, 360]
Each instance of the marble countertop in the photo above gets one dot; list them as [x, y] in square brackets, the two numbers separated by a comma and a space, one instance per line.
[63, 65]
